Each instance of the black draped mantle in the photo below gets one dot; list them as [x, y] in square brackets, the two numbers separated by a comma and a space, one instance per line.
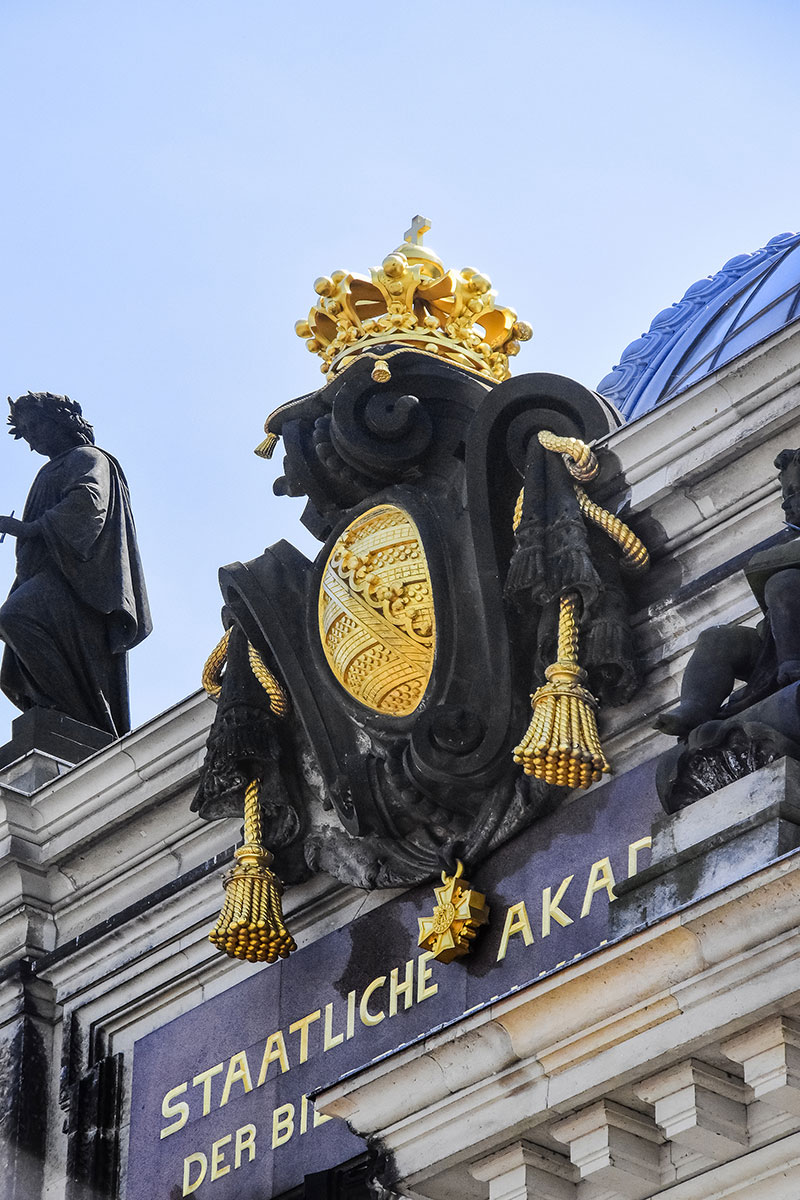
[78, 602]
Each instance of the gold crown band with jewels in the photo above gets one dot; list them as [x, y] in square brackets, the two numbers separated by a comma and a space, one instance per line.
[411, 299]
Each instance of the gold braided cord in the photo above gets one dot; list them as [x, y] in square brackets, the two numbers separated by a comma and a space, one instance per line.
[251, 925]
[252, 815]
[212, 671]
[636, 557]
[582, 464]
[518, 509]
[561, 745]
[579, 458]
[266, 449]
[567, 646]
[278, 700]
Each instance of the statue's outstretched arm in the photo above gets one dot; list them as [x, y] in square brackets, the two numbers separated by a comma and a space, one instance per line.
[23, 529]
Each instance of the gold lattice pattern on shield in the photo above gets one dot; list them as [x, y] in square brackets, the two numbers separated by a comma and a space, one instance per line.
[376, 616]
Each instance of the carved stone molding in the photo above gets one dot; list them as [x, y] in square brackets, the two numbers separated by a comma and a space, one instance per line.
[770, 1055]
[699, 1106]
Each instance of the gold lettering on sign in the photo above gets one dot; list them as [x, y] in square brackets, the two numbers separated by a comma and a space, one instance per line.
[180, 1110]
[516, 922]
[274, 1051]
[424, 972]
[238, 1069]
[403, 993]
[282, 1124]
[330, 1041]
[550, 909]
[601, 876]
[218, 1158]
[367, 1017]
[633, 853]
[195, 1166]
[404, 989]
[303, 1025]
[205, 1078]
[319, 1034]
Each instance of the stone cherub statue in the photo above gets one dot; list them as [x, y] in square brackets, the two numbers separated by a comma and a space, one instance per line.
[78, 602]
[766, 658]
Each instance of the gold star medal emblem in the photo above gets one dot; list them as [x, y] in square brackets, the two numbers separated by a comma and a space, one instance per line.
[458, 915]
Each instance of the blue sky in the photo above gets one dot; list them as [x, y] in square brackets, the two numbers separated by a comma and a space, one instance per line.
[177, 173]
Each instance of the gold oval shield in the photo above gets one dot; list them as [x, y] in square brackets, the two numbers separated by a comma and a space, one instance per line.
[376, 616]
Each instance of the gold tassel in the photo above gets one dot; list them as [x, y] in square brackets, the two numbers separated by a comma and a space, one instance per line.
[266, 449]
[250, 925]
[561, 745]
[381, 372]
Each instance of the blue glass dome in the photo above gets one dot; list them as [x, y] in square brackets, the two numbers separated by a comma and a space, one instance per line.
[720, 317]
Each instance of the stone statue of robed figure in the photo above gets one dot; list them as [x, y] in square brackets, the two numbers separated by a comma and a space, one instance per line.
[78, 602]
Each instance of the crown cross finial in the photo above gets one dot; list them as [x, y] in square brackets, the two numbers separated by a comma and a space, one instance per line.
[419, 226]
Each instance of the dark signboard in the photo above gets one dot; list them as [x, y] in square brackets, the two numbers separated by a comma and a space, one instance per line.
[220, 1102]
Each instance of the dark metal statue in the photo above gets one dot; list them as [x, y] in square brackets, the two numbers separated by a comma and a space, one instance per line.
[725, 733]
[78, 602]
[766, 658]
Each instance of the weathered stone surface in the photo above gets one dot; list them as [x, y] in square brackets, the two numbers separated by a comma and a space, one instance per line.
[712, 844]
[125, 881]
[700, 1107]
[23, 1108]
[32, 771]
[770, 1055]
[52, 733]
[524, 1171]
[614, 1147]
[719, 752]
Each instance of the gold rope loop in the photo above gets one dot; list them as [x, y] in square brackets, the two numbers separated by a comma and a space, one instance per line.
[212, 671]
[635, 555]
[582, 464]
[278, 700]
[215, 663]
[579, 458]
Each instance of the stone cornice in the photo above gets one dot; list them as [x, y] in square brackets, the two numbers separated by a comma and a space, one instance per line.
[145, 766]
[591, 1032]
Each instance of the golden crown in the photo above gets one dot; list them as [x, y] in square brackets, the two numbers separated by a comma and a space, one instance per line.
[411, 299]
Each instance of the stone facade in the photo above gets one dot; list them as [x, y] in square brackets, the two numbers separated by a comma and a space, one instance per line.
[667, 1063]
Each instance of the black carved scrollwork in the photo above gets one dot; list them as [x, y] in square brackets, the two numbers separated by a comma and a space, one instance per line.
[412, 793]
